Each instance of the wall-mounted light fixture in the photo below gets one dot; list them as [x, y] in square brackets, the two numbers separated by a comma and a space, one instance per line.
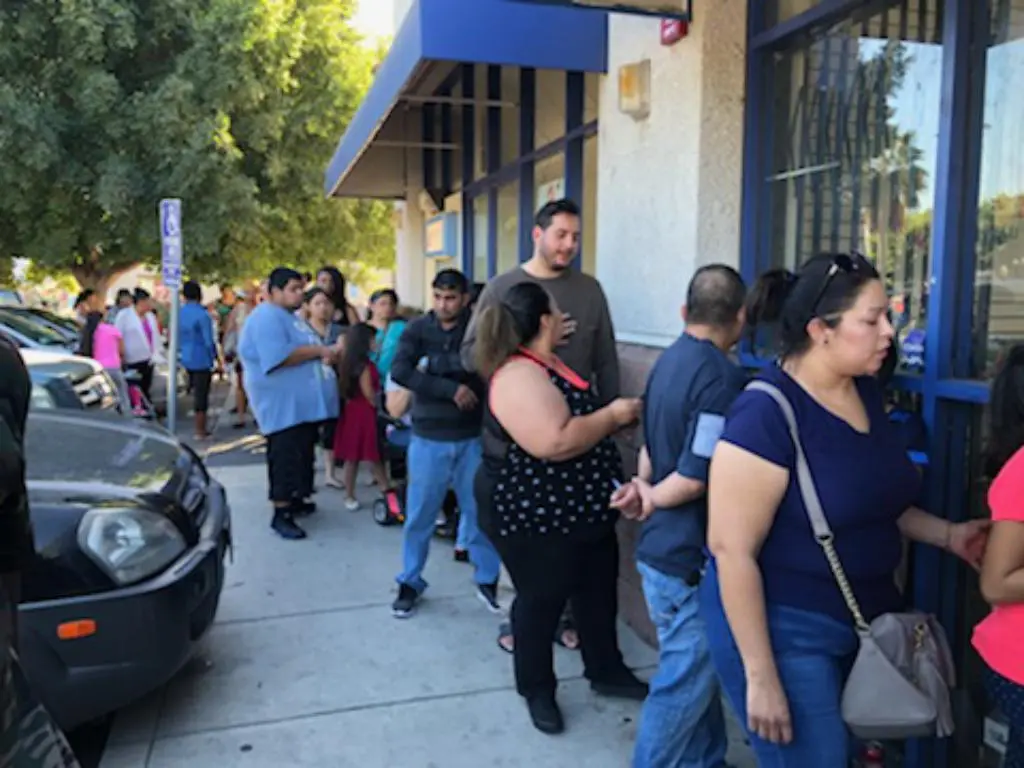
[635, 89]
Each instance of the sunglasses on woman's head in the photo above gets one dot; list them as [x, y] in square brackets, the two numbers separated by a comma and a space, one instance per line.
[841, 262]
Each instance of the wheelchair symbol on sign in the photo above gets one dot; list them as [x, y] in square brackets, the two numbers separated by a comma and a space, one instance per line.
[172, 219]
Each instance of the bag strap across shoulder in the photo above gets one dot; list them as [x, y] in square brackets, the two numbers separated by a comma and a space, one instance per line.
[812, 502]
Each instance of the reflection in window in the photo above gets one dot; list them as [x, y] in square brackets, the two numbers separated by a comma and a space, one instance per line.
[856, 117]
[479, 208]
[783, 10]
[550, 99]
[999, 281]
[549, 176]
[508, 226]
[509, 117]
[589, 224]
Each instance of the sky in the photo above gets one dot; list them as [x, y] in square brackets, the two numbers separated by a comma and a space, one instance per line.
[375, 18]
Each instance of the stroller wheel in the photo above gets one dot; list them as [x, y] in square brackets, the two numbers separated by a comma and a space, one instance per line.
[381, 514]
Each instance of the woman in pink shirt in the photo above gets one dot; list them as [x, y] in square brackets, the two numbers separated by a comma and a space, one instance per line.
[104, 343]
[999, 638]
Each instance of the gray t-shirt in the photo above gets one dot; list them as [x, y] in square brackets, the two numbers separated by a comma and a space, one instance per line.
[590, 351]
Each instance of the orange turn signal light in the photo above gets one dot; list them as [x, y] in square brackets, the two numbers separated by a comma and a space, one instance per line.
[75, 630]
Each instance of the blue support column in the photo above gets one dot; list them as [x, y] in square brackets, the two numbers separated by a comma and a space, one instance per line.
[527, 127]
[575, 96]
[755, 149]
[468, 130]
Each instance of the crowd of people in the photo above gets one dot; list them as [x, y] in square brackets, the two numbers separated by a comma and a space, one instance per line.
[510, 403]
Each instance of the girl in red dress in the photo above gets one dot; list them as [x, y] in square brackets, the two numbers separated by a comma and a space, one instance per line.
[355, 439]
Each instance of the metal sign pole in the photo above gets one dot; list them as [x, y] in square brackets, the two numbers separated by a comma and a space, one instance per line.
[172, 373]
[171, 258]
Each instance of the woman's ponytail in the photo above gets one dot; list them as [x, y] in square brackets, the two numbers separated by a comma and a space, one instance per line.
[497, 338]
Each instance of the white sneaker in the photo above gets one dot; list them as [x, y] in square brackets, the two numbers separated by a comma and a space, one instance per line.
[352, 505]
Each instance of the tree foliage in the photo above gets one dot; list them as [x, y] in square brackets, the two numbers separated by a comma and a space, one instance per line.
[235, 106]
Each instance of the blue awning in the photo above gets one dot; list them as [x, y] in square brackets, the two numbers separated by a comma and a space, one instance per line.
[369, 161]
[671, 9]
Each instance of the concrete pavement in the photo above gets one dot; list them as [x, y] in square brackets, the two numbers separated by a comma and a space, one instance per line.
[306, 667]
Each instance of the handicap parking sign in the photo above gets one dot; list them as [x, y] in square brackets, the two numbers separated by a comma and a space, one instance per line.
[170, 242]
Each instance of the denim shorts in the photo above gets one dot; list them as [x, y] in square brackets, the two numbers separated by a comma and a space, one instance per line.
[813, 655]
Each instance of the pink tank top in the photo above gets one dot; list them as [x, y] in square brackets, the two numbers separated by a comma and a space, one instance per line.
[105, 346]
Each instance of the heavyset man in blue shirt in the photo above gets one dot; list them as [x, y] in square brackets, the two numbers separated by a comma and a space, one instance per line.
[688, 393]
[290, 381]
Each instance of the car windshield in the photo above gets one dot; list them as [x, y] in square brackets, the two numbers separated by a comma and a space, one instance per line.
[33, 330]
[54, 319]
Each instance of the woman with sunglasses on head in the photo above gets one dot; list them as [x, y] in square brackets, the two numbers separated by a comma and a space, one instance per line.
[998, 638]
[332, 282]
[781, 636]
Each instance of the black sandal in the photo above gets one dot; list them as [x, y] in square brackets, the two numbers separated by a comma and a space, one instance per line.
[505, 632]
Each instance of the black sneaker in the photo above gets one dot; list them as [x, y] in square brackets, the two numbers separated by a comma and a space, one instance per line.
[545, 714]
[284, 525]
[624, 685]
[405, 604]
[461, 556]
[488, 594]
[305, 507]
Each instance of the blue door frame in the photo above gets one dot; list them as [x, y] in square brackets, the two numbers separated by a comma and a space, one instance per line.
[948, 397]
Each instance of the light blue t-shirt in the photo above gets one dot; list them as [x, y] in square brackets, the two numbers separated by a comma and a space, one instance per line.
[284, 397]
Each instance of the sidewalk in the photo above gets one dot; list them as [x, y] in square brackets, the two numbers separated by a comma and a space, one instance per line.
[306, 667]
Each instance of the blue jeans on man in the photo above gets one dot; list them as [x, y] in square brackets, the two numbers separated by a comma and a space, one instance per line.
[434, 467]
[682, 724]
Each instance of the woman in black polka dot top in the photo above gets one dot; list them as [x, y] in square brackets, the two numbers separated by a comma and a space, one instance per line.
[549, 470]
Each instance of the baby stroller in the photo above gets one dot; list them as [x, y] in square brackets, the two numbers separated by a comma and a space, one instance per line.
[389, 509]
[142, 408]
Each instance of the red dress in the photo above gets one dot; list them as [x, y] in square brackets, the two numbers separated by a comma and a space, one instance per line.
[355, 438]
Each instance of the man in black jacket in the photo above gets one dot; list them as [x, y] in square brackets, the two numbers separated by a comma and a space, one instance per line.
[444, 452]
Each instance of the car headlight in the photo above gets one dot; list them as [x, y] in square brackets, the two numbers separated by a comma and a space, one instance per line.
[129, 544]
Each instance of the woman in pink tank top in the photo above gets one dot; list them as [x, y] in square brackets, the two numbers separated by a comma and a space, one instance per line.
[998, 637]
[103, 342]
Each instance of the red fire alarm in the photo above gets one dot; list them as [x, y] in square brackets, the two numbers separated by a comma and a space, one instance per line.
[673, 30]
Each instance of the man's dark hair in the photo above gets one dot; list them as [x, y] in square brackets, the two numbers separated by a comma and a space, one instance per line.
[548, 212]
[123, 293]
[192, 291]
[450, 280]
[715, 296]
[140, 294]
[281, 276]
[84, 296]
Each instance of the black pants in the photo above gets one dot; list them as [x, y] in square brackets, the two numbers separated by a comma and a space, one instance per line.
[200, 382]
[548, 571]
[290, 457]
[145, 371]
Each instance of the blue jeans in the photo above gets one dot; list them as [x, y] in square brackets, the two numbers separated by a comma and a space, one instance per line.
[813, 653]
[434, 467]
[682, 724]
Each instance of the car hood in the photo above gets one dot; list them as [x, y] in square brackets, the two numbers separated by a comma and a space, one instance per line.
[60, 364]
[84, 456]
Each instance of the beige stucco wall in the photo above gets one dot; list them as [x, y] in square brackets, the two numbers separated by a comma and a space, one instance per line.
[670, 184]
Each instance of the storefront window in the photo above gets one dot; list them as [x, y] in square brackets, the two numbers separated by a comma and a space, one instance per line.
[509, 116]
[782, 10]
[508, 226]
[999, 282]
[480, 117]
[589, 234]
[550, 100]
[549, 176]
[592, 102]
[479, 207]
[855, 125]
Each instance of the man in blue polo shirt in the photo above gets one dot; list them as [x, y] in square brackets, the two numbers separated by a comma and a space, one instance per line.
[688, 393]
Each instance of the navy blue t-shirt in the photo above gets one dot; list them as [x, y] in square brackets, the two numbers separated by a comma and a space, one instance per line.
[688, 394]
[865, 482]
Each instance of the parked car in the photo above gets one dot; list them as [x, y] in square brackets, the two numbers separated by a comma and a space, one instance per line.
[29, 333]
[132, 535]
[63, 380]
[65, 326]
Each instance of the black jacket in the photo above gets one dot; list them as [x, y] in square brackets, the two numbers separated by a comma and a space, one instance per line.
[428, 364]
[16, 544]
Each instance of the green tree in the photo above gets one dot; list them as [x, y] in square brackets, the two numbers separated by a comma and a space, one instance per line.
[235, 106]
